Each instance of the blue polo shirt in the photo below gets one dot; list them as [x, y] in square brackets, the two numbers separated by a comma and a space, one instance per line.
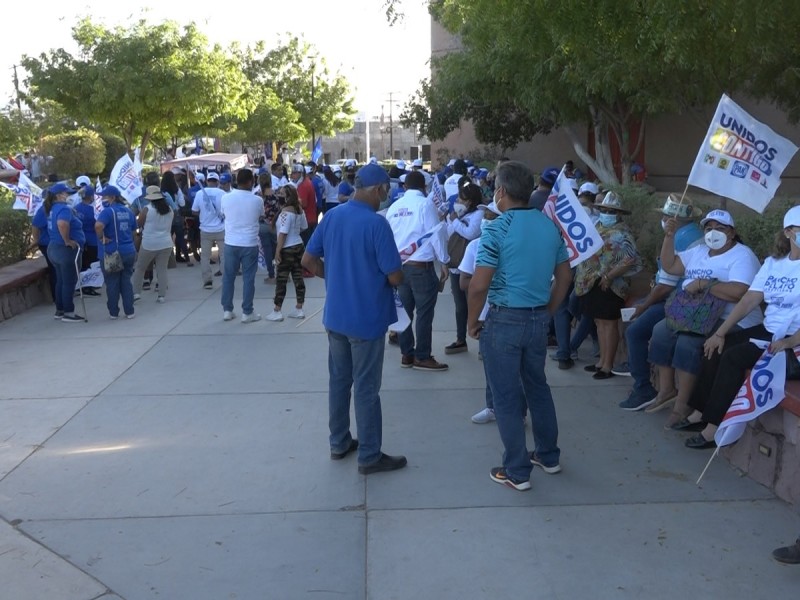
[40, 222]
[86, 215]
[345, 189]
[359, 251]
[524, 247]
[122, 237]
[62, 211]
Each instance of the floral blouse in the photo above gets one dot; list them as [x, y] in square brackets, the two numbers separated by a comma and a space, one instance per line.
[618, 246]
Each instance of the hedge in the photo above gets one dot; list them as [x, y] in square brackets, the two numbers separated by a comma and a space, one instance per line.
[74, 153]
[15, 236]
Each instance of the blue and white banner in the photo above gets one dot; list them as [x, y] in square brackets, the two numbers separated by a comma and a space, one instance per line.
[28, 195]
[125, 177]
[741, 158]
[316, 154]
[564, 209]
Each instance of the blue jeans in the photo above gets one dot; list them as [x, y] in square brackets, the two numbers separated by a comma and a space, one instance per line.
[585, 326]
[514, 357]
[637, 336]
[63, 259]
[482, 350]
[562, 322]
[247, 258]
[357, 364]
[681, 351]
[120, 284]
[419, 291]
[269, 241]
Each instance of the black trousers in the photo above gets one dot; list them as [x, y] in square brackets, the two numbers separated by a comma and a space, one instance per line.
[721, 376]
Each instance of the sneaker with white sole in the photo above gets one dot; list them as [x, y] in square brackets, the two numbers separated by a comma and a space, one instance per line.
[161, 299]
[228, 315]
[499, 475]
[137, 297]
[275, 315]
[484, 416]
[550, 469]
[71, 318]
[297, 313]
[251, 318]
[623, 370]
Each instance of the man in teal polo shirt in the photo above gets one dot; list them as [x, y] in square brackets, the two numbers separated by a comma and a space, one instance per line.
[522, 265]
[361, 267]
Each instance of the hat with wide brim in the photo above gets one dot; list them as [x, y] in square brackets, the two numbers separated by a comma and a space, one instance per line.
[613, 202]
[679, 209]
[153, 192]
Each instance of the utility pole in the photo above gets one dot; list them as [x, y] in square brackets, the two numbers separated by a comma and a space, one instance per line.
[391, 125]
[313, 133]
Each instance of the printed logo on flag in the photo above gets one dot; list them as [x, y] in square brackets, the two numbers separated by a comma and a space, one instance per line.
[723, 163]
[755, 175]
[710, 158]
[739, 169]
[127, 176]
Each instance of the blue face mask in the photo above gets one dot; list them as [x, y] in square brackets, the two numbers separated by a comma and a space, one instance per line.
[608, 220]
[797, 238]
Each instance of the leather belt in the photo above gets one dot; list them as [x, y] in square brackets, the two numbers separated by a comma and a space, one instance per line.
[414, 263]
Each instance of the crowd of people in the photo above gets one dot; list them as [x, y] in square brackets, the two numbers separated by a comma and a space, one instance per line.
[378, 236]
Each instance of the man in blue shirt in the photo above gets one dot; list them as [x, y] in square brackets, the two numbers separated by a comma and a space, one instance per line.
[361, 267]
[520, 254]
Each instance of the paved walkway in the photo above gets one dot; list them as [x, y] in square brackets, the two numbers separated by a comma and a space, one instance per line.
[179, 457]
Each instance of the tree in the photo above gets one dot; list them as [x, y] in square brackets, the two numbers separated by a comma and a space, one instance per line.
[607, 64]
[17, 132]
[143, 81]
[75, 152]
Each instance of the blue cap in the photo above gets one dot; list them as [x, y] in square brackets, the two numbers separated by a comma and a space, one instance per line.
[225, 178]
[110, 190]
[370, 175]
[87, 191]
[549, 175]
[60, 188]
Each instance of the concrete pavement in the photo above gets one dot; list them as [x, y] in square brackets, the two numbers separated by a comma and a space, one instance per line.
[178, 456]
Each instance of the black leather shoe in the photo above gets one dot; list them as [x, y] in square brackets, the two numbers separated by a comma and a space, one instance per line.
[384, 463]
[698, 442]
[340, 455]
[687, 425]
[788, 555]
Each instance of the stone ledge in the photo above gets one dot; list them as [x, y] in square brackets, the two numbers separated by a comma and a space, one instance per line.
[23, 286]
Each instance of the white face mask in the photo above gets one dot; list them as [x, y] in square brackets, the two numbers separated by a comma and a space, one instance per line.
[459, 209]
[715, 239]
[608, 220]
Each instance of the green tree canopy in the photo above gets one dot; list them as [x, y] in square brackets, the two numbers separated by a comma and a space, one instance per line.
[75, 152]
[535, 64]
[142, 81]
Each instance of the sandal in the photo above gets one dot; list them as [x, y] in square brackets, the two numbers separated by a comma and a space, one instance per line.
[673, 419]
[664, 402]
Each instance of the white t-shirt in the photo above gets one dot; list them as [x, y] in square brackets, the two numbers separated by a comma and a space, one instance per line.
[411, 218]
[779, 281]
[157, 232]
[290, 223]
[241, 210]
[738, 264]
[208, 203]
[331, 192]
[467, 266]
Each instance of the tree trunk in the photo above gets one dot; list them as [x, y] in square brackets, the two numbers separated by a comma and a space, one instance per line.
[580, 149]
[144, 144]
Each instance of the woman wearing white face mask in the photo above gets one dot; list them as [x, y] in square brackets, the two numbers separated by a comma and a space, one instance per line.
[729, 352]
[722, 268]
[602, 281]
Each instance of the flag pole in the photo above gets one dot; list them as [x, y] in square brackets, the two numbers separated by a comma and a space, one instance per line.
[311, 316]
[708, 464]
[683, 195]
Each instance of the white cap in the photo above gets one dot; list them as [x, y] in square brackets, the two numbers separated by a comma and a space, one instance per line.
[401, 164]
[491, 207]
[83, 180]
[589, 188]
[336, 168]
[792, 217]
[403, 178]
[199, 176]
[720, 216]
[417, 162]
[213, 176]
[309, 170]
[350, 162]
[373, 160]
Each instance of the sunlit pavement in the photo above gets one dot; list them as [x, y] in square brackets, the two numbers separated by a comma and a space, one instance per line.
[177, 456]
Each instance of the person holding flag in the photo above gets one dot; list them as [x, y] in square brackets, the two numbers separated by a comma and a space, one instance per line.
[729, 353]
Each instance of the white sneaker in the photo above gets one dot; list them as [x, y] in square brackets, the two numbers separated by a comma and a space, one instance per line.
[161, 299]
[251, 318]
[137, 297]
[228, 315]
[275, 315]
[297, 313]
[484, 416]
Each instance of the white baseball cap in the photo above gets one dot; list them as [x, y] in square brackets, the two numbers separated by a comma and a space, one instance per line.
[417, 162]
[792, 217]
[83, 180]
[720, 216]
[401, 164]
[199, 176]
[491, 207]
[589, 188]
[213, 176]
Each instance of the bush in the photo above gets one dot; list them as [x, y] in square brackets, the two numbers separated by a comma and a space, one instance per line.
[115, 147]
[79, 152]
[15, 236]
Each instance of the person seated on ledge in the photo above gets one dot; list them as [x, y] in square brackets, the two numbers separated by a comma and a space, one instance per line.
[722, 268]
[729, 354]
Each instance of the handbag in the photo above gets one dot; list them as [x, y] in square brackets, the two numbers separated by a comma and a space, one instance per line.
[456, 246]
[693, 313]
[112, 263]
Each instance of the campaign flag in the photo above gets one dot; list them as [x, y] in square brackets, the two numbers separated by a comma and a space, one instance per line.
[6, 165]
[762, 390]
[316, 154]
[741, 158]
[137, 161]
[262, 256]
[439, 199]
[564, 209]
[91, 277]
[28, 195]
[403, 321]
[125, 178]
[436, 236]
